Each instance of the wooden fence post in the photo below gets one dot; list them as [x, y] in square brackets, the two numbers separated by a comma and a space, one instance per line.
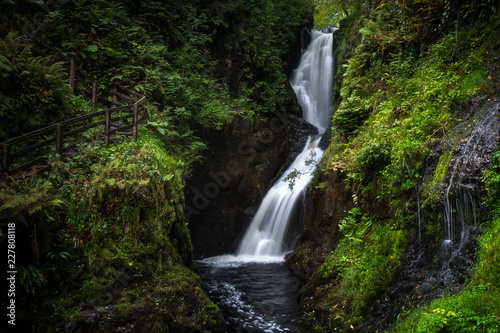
[72, 75]
[134, 122]
[5, 158]
[59, 141]
[94, 96]
[144, 113]
[106, 127]
[113, 92]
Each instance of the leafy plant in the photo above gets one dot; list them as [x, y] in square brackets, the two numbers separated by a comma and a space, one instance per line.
[33, 89]
[30, 278]
[361, 266]
[34, 204]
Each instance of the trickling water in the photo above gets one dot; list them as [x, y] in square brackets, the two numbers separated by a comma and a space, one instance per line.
[256, 292]
[419, 228]
[421, 279]
[459, 197]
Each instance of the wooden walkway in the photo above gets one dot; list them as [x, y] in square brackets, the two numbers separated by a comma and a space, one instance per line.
[31, 151]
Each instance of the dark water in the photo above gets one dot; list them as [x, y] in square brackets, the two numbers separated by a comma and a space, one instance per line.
[254, 296]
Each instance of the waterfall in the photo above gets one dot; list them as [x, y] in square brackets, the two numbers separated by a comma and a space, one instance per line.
[266, 235]
[460, 193]
[312, 82]
[246, 285]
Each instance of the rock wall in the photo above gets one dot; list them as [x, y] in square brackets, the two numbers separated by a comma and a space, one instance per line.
[243, 162]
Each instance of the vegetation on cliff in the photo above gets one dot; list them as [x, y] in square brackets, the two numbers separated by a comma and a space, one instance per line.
[407, 73]
[103, 242]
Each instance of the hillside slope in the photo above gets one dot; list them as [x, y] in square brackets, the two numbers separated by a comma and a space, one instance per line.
[403, 191]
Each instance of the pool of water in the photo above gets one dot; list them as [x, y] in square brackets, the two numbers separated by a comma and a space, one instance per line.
[255, 294]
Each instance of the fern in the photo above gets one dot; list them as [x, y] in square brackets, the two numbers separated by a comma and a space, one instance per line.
[20, 197]
[33, 203]
[184, 144]
[30, 278]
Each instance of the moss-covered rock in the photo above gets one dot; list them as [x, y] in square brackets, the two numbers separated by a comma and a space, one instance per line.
[122, 258]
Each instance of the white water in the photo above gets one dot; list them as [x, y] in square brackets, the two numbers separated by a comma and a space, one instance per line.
[266, 234]
[459, 196]
[312, 81]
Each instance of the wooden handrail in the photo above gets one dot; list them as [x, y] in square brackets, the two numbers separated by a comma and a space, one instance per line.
[58, 133]
[30, 135]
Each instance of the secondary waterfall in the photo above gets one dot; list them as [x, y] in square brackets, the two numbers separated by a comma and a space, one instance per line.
[461, 193]
[312, 81]
[246, 285]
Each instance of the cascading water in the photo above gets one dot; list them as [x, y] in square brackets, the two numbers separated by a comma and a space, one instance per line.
[267, 233]
[459, 196]
[312, 82]
[246, 284]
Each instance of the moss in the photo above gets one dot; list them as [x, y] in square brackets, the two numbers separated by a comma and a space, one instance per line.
[432, 188]
[361, 267]
[135, 268]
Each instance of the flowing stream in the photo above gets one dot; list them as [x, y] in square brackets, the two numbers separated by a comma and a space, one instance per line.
[255, 291]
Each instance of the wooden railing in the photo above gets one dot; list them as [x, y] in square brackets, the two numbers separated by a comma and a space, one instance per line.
[33, 149]
[75, 82]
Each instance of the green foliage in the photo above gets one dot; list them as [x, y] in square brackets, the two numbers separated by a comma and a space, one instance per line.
[195, 102]
[33, 89]
[351, 114]
[406, 70]
[488, 266]
[106, 189]
[30, 278]
[121, 224]
[476, 307]
[24, 199]
[258, 40]
[492, 181]
[360, 267]
[125, 217]
[185, 145]
[33, 204]
[394, 106]
[167, 60]
[328, 13]
[166, 50]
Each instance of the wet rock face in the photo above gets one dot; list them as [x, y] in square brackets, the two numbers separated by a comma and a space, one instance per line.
[243, 162]
[439, 261]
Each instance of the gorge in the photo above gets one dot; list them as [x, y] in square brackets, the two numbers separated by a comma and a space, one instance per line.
[256, 195]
